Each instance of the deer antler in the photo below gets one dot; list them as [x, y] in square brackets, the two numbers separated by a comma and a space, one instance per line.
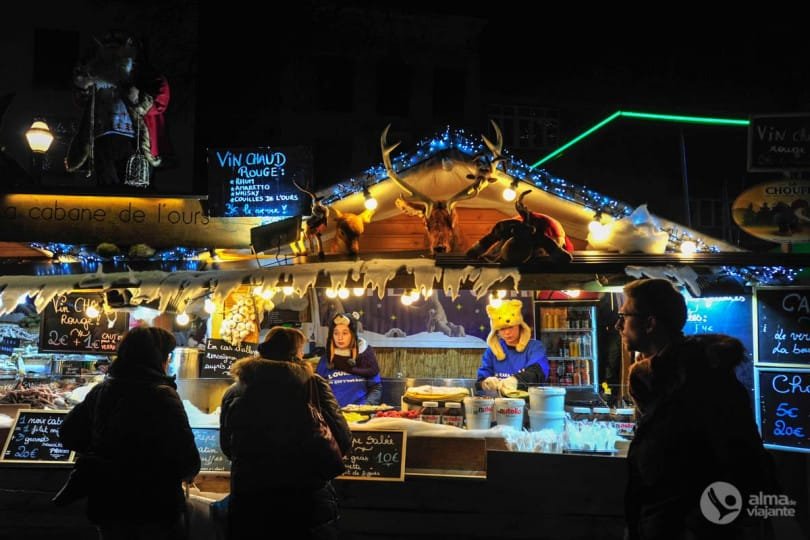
[497, 148]
[521, 208]
[314, 198]
[389, 169]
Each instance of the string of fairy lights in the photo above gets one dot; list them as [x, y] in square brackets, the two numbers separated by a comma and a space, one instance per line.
[604, 208]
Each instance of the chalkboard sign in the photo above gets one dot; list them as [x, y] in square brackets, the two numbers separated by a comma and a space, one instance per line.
[66, 327]
[783, 325]
[34, 438]
[730, 315]
[783, 414]
[211, 456]
[219, 355]
[376, 455]
[259, 181]
[779, 143]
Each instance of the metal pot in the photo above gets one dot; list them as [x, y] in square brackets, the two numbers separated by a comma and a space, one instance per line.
[185, 363]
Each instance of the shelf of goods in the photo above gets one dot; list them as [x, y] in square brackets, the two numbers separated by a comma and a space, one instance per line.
[568, 333]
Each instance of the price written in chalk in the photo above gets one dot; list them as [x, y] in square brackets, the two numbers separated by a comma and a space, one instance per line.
[784, 402]
[376, 455]
[34, 437]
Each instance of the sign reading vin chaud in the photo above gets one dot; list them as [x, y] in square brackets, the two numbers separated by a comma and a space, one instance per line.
[259, 181]
[775, 211]
[161, 222]
[779, 142]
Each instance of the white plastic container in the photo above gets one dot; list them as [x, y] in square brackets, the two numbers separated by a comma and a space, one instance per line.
[478, 412]
[554, 420]
[509, 412]
[547, 398]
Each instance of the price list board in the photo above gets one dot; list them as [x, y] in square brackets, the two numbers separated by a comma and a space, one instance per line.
[376, 455]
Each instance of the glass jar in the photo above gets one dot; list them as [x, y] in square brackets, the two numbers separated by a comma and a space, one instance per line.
[430, 412]
[625, 422]
[452, 414]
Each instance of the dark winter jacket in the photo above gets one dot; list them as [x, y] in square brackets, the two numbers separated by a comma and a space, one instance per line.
[264, 416]
[135, 426]
[696, 426]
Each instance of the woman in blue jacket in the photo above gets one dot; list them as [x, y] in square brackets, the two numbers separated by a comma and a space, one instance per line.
[350, 365]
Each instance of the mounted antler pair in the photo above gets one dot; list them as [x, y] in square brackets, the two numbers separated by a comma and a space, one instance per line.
[439, 217]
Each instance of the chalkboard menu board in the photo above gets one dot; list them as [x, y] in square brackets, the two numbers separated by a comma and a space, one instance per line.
[219, 355]
[783, 414]
[730, 315]
[376, 455]
[779, 142]
[66, 327]
[259, 181]
[211, 456]
[34, 438]
[783, 325]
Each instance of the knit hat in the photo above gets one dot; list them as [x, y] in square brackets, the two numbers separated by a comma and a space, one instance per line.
[350, 320]
[506, 315]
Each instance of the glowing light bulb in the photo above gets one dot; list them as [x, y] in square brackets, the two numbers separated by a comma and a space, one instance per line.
[343, 293]
[287, 290]
[258, 290]
[688, 247]
[509, 194]
[414, 294]
[594, 227]
[331, 293]
[269, 293]
[358, 291]
[182, 318]
[406, 299]
[370, 203]
[210, 307]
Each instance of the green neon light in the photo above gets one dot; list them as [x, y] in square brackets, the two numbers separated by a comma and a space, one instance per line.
[687, 119]
[643, 116]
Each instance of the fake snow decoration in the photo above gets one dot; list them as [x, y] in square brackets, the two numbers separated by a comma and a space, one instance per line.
[637, 232]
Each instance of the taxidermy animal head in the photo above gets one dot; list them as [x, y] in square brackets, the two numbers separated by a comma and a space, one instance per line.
[439, 216]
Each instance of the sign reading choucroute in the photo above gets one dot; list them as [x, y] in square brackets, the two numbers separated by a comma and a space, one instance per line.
[165, 222]
[376, 455]
[776, 211]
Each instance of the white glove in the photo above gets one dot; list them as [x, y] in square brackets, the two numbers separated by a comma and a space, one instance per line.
[490, 385]
[508, 384]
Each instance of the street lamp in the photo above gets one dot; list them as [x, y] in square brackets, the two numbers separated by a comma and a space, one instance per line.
[39, 140]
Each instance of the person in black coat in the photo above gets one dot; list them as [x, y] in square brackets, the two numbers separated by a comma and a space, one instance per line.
[695, 426]
[133, 429]
[263, 422]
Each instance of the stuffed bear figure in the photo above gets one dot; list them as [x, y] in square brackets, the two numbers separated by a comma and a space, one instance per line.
[123, 102]
[506, 315]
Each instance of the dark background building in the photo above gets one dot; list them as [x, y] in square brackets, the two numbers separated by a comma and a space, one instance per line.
[331, 75]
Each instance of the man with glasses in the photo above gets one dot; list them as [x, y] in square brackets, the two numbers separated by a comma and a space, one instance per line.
[695, 423]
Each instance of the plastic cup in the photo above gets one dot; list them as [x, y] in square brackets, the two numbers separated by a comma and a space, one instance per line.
[509, 412]
[478, 412]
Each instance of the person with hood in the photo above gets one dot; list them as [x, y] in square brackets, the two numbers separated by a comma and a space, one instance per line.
[695, 425]
[134, 432]
[512, 360]
[349, 364]
[263, 423]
